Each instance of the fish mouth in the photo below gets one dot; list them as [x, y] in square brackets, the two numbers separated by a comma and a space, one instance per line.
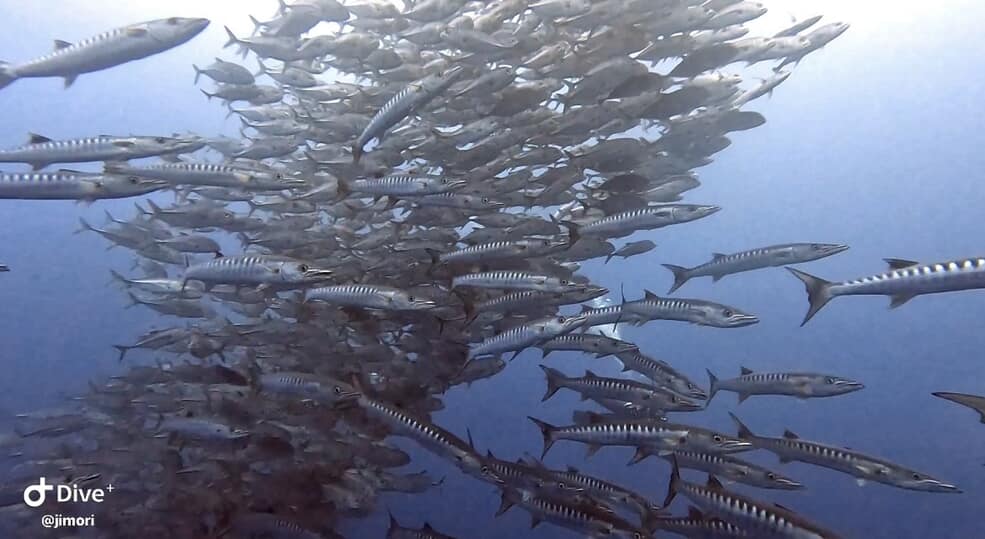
[735, 446]
[318, 274]
[834, 249]
[740, 320]
[851, 385]
[933, 485]
[786, 484]
[452, 72]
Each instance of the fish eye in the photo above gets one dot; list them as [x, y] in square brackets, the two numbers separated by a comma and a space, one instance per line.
[338, 390]
[303, 267]
[829, 380]
[410, 298]
[160, 140]
[564, 281]
[728, 312]
[717, 438]
[916, 476]
[173, 20]
[133, 179]
[485, 469]
[279, 176]
[816, 247]
[560, 319]
[562, 486]
[771, 476]
[485, 200]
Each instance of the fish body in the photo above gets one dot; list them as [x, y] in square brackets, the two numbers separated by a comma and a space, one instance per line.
[797, 384]
[904, 280]
[41, 151]
[73, 185]
[695, 311]
[255, 270]
[974, 402]
[108, 49]
[774, 255]
[791, 447]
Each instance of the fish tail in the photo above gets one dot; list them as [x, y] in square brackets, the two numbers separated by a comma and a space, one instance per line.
[818, 292]
[357, 153]
[342, 190]
[116, 276]
[574, 232]
[553, 376]
[7, 74]
[743, 430]
[84, 226]
[609, 257]
[712, 386]
[547, 431]
[675, 481]
[681, 276]
[122, 349]
[257, 25]
[233, 40]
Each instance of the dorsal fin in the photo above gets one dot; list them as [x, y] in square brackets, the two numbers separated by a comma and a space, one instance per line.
[694, 513]
[650, 295]
[427, 528]
[586, 308]
[590, 374]
[60, 44]
[781, 507]
[717, 256]
[572, 469]
[790, 435]
[745, 371]
[899, 263]
[714, 483]
[34, 138]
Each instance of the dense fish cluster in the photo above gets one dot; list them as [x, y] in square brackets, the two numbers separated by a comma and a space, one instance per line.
[416, 186]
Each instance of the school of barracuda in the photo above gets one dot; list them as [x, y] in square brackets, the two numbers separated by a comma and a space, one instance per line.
[416, 185]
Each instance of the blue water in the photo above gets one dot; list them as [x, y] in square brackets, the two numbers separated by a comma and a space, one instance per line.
[874, 141]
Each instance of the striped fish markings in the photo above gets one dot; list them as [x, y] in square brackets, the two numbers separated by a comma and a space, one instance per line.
[904, 280]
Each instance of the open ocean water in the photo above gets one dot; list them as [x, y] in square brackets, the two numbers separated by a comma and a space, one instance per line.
[873, 142]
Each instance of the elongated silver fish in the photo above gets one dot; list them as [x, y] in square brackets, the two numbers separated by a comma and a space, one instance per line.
[530, 334]
[661, 373]
[974, 402]
[74, 185]
[804, 385]
[275, 271]
[732, 469]
[370, 296]
[625, 223]
[400, 185]
[695, 311]
[515, 280]
[864, 467]
[108, 49]
[774, 255]
[905, 280]
[617, 433]
[208, 174]
[401, 105]
[41, 151]
[758, 518]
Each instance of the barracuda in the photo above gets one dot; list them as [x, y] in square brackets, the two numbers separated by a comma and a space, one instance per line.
[74, 185]
[369, 296]
[905, 280]
[625, 223]
[270, 271]
[630, 434]
[600, 345]
[765, 257]
[41, 151]
[661, 373]
[208, 174]
[108, 49]
[791, 448]
[732, 469]
[757, 518]
[402, 105]
[592, 386]
[798, 384]
[517, 339]
[695, 311]
[515, 280]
